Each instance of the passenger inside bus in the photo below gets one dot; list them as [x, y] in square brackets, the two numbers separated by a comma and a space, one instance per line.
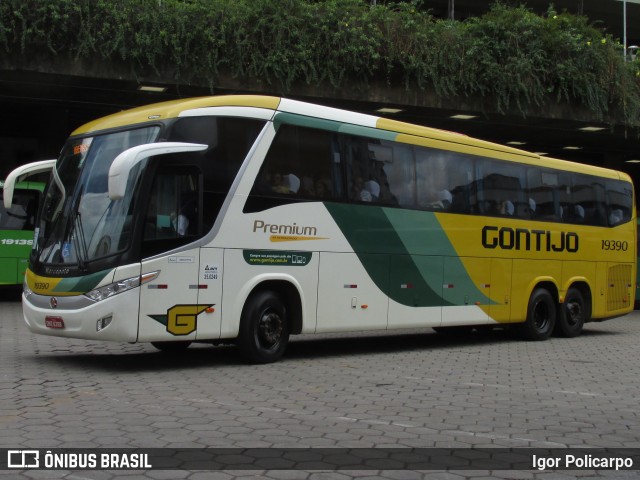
[507, 208]
[278, 184]
[184, 222]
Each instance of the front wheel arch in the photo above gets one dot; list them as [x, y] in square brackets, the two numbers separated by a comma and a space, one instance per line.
[286, 287]
[265, 327]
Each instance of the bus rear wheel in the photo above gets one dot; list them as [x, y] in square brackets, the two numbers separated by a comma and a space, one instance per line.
[573, 314]
[264, 328]
[541, 316]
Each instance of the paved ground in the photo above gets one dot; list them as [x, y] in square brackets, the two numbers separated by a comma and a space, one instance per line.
[408, 389]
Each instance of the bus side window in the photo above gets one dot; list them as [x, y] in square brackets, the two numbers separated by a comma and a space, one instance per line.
[460, 168]
[502, 187]
[361, 168]
[589, 194]
[563, 191]
[229, 140]
[432, 179]
[619, 202]
[297, 167]
[173, 211]
[544, 200]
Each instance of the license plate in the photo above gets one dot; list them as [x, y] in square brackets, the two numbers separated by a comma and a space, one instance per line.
[53, 322]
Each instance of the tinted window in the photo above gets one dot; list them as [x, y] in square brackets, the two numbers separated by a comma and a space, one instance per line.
[543, 200]
[229, 140]
[620, 202]
[21, 215]
[502, 189]
[588, 198]
[305, 164]
[302, 164]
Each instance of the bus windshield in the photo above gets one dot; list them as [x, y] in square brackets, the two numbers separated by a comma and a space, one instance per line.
[79, 223]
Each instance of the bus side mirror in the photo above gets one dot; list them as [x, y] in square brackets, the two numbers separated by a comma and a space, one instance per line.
[123, 163]
[19, 174]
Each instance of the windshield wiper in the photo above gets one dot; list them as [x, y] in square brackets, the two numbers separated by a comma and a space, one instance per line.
[63, 193]
[79, 240]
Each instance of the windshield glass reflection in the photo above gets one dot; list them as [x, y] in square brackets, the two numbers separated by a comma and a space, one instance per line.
[79, 222]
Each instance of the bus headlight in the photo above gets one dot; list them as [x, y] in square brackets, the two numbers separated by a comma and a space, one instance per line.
[121, 286]
[25, 287]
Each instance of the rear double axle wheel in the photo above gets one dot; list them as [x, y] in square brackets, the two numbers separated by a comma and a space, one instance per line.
[541, 316]
[545, 316]
[573, 314]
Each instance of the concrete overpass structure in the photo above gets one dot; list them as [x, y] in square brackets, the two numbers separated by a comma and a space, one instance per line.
[40, 104]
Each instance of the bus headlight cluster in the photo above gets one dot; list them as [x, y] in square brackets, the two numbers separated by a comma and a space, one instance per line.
[25, 288]
[121, 286]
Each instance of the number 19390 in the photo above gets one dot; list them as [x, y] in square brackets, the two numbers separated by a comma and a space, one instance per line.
[616, 245]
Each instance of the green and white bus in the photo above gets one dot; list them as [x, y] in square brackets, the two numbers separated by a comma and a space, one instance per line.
[251, 218]
[16, 231]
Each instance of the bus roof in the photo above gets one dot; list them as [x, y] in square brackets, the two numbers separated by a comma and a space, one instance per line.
[173, 108]
[406, 132]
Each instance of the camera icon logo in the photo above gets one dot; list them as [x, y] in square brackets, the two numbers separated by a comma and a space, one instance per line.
[23, 459]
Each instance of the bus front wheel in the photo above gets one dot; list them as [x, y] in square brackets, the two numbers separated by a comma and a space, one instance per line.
[573, 314]
[541, 316]
[264, 328]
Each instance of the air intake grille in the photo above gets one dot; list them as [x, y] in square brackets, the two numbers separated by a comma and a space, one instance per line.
[618, 293]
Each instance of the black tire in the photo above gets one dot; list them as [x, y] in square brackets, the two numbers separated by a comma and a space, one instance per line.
[172, 347]
[573, 314]
[541, 316]
[264, 328]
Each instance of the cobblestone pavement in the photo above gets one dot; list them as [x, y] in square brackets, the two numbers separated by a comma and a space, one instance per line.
[405, 389]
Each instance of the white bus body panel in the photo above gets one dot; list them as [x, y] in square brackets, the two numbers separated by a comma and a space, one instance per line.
[210, 293]
[316, 232]
[245, 278]
[81, 323]
[329, 113]
[348, 300]
[174, 287]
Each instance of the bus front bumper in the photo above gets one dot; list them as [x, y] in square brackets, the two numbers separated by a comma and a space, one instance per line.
[114, 319]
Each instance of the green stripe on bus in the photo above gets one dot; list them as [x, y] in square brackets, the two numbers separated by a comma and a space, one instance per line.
[81, 284]
[417, 247]
[332, 126]
[423, 236]
[370, 232]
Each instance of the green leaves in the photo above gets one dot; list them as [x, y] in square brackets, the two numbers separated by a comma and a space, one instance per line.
[511, 58]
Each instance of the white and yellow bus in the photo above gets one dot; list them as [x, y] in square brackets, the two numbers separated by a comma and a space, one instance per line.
[250, 219]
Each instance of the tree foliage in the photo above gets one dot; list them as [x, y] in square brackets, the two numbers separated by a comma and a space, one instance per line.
[510, 56]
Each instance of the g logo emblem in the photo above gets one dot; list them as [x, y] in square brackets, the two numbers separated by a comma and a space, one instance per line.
[181, 319]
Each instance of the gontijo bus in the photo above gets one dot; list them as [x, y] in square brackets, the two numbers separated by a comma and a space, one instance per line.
[16, 231]
[253, 218]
